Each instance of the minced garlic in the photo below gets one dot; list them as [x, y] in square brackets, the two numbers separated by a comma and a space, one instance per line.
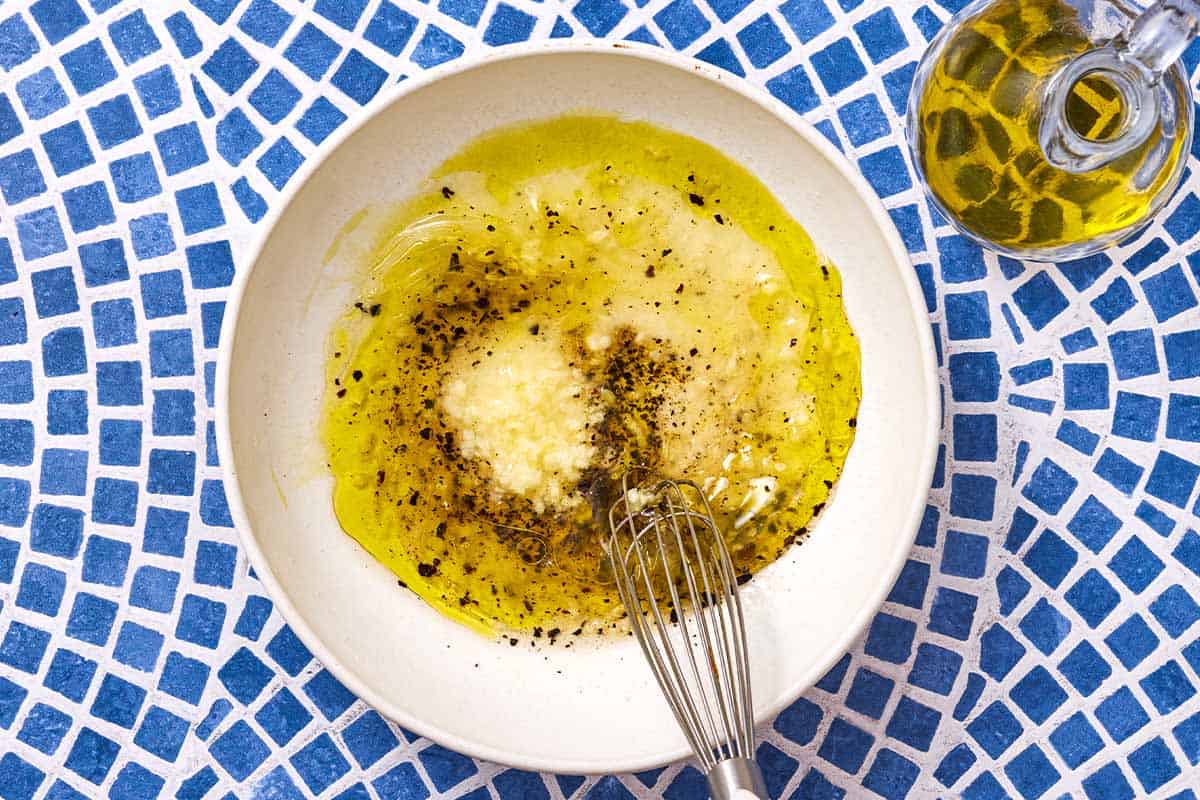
[518, 405]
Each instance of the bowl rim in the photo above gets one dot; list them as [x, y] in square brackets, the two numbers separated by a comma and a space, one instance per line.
[264, 229]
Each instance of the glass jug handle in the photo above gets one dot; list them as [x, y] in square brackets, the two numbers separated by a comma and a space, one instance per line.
[1132, 65]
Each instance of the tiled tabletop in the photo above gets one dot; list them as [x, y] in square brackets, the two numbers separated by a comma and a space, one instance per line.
[1040, 642]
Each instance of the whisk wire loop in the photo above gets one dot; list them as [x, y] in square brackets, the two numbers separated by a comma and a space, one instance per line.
[715, 629]
[677, 582]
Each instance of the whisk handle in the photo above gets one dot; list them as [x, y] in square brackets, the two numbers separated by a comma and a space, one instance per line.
[736, 779]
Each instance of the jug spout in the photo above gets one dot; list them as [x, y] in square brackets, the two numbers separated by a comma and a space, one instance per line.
[1126, 72]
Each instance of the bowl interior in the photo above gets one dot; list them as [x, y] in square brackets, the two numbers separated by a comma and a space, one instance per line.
[587, 708]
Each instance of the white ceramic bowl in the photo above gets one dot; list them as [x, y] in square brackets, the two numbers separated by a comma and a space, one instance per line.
[584, 709]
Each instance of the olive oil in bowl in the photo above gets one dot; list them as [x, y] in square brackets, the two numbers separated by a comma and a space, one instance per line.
[570, 298]
[977, 118]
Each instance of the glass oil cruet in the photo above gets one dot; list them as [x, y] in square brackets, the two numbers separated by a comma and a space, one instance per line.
[1051, 129]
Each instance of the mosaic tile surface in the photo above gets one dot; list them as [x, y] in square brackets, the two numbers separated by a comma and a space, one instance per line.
[1040, 642]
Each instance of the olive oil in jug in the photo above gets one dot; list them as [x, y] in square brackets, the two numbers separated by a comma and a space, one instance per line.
[983, 124]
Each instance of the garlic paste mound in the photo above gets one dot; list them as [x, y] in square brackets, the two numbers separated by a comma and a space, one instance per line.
[570, 298]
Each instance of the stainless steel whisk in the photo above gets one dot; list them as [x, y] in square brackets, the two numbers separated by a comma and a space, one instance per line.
[667, 551]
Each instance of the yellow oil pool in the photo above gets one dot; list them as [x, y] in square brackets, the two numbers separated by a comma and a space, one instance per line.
[569, 298]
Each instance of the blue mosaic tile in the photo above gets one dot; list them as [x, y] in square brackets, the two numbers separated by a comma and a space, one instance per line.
[217, 10]
[70, 674]
[133, 37]
[682, 23]
[280, 162]
[265, 22]
[343, 14]
[91, 619]
[599, 16]
[1133, 353]
[1011, 588]
[239, 750]
[1168, 687]
[1108, 783]
[320, 764]
[795, 89]
[508, 25]
[217, 713]
[118, 701]
[158, 92]
[44, 728]
[58, 19]
[105, 561]
[1045, 627]
[1076, 740]
[1031, 772]
[1040, 300]
[1172, 479]
[20, 178]
[970, 696]
[88, 67]
[369, 739]
[799, 721]
[437, 46]
[183, 677]
[181, 148]
[888, 175]
[162, 292]
[391, 28]
[845, 746]
[1183, 418]
[516, 783]
[1182, 223]
[1135, 564]
[66, 409]
[881, 35]
[891, 775]
[807, 18]
[869, 693]
[161, 733]
[88, 207]
[1132, 641]
[999, 652]
[1119, 471]
[1079, 341]
[995, 729]
[913, 723]
[890, 638]
[200, 621]
[1153, 764]
[1187, 735]
[10, 123]
[230, 65]
[245, 676]
[1175, 610]
[184, 34]
[1038, 695]
[838, 66]
[1093, 597]
[762, 42]
[283, 716]
[1187, 552]
[134, 178]
[954, 765]
[720, 54]
[19, 42]
[1169, 293]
